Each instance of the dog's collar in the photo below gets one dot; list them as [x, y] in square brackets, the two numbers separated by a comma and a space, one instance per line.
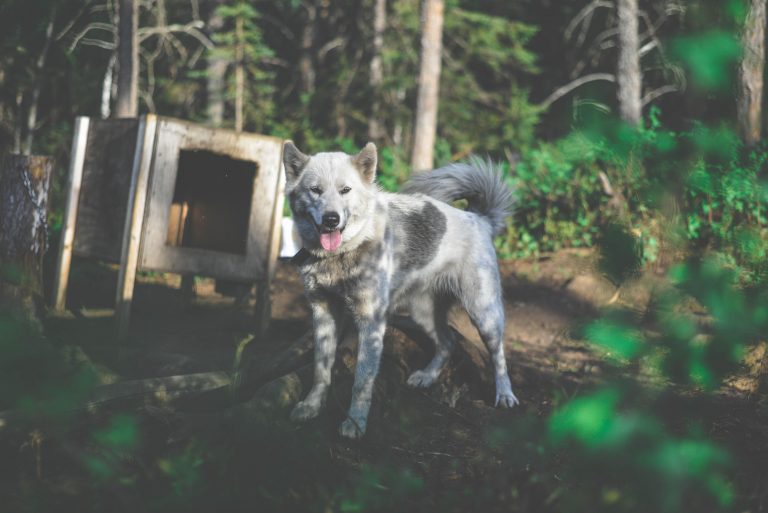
[302, 257]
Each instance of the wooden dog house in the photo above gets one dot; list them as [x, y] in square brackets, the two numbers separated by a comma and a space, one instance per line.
[159, 194]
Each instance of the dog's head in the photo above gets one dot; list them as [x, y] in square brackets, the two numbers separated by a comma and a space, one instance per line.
[331, 195]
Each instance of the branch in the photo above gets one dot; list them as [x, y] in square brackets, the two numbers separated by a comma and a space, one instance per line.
[601, 42]
[191, 29]
[279, 25]
[653, 43]
[567, 88]
[68, 26]
[98, 43]
[330, 45]
[606, 183]
[587, 11]
[652, 95]
[92, 26]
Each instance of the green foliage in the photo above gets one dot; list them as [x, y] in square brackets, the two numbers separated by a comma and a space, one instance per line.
[621, 254]
[380, 489]
[258, 80]
[715, 183]
[34, 378]
[481, 88]
[627, 461]
[624, 455]
[709, 57]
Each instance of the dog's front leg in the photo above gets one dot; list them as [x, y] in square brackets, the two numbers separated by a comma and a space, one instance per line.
[325, 316]
[371, 330]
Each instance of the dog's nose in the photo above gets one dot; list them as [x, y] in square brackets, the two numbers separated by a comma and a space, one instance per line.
[331, 219]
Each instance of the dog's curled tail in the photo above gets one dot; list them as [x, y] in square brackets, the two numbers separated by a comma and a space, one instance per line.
[478, 181]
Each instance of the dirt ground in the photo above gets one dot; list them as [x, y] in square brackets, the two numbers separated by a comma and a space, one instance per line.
[450, 437]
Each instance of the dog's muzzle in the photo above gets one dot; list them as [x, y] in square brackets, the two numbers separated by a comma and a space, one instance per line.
[331, 221]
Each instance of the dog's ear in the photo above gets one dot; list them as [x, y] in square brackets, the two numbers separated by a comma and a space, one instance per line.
[365, 162]
[294, 161]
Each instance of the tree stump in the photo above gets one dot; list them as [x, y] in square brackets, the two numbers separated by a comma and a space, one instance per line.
[24, 184]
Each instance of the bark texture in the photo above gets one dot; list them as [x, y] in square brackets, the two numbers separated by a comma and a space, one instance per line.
[239, 74]
[24, 184]
[216, 71]
[628, 74]
[750, 97]
[425, 129]
[375, 128]
[127, 102]
[306, 60]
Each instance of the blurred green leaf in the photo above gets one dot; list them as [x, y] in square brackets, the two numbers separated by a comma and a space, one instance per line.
[621, 342]
[120, 435]
[709, 57]
[621, 253]
[586, 419]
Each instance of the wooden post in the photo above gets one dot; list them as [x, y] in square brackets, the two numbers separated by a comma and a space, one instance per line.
[23, 233]
[263, 301]
[134, 222]
[74, 181]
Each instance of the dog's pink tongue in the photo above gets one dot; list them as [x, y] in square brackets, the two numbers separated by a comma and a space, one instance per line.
[330, 241]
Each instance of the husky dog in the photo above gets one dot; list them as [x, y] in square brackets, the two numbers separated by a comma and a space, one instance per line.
[373, 252]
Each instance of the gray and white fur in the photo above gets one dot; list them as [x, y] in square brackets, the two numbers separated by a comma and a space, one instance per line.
[373, 252]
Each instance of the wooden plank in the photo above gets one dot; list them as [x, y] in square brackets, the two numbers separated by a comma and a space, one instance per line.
[263, 313]
[277, 218]
[134, 221]
[64, 259]
[105, 187]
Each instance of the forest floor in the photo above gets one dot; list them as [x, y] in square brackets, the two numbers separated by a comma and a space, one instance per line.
[445, 447]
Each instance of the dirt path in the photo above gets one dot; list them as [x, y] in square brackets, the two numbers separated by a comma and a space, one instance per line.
[449, 438]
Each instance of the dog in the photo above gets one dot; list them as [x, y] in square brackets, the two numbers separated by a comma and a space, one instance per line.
[372, 252]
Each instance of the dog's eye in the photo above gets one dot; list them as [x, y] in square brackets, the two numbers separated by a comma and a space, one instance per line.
[316, 189]
[345, 190]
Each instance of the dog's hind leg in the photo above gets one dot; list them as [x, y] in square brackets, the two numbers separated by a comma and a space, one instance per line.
[326, 317]
[481, 296]
[431, 314]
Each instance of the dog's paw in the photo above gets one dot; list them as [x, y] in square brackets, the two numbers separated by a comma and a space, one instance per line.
[305, 410]
[421, 379]
[352, 429]
[506, 400]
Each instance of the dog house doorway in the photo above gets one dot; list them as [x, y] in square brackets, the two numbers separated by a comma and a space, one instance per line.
[211, 202]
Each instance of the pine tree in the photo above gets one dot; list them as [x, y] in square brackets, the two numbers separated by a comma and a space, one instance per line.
[241, 44]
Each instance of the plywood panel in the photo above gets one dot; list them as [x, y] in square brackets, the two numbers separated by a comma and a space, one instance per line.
[103, 199]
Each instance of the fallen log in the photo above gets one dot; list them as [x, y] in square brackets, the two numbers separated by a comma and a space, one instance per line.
[470, 361]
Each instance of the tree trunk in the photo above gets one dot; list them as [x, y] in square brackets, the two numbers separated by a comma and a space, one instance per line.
[126, 105]
[24, 183]
[628, 75]
[217, 69]
[35, 99]
[375, 126]
[239, 74]
[750, 95]
[425, 129]
[306, 60]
